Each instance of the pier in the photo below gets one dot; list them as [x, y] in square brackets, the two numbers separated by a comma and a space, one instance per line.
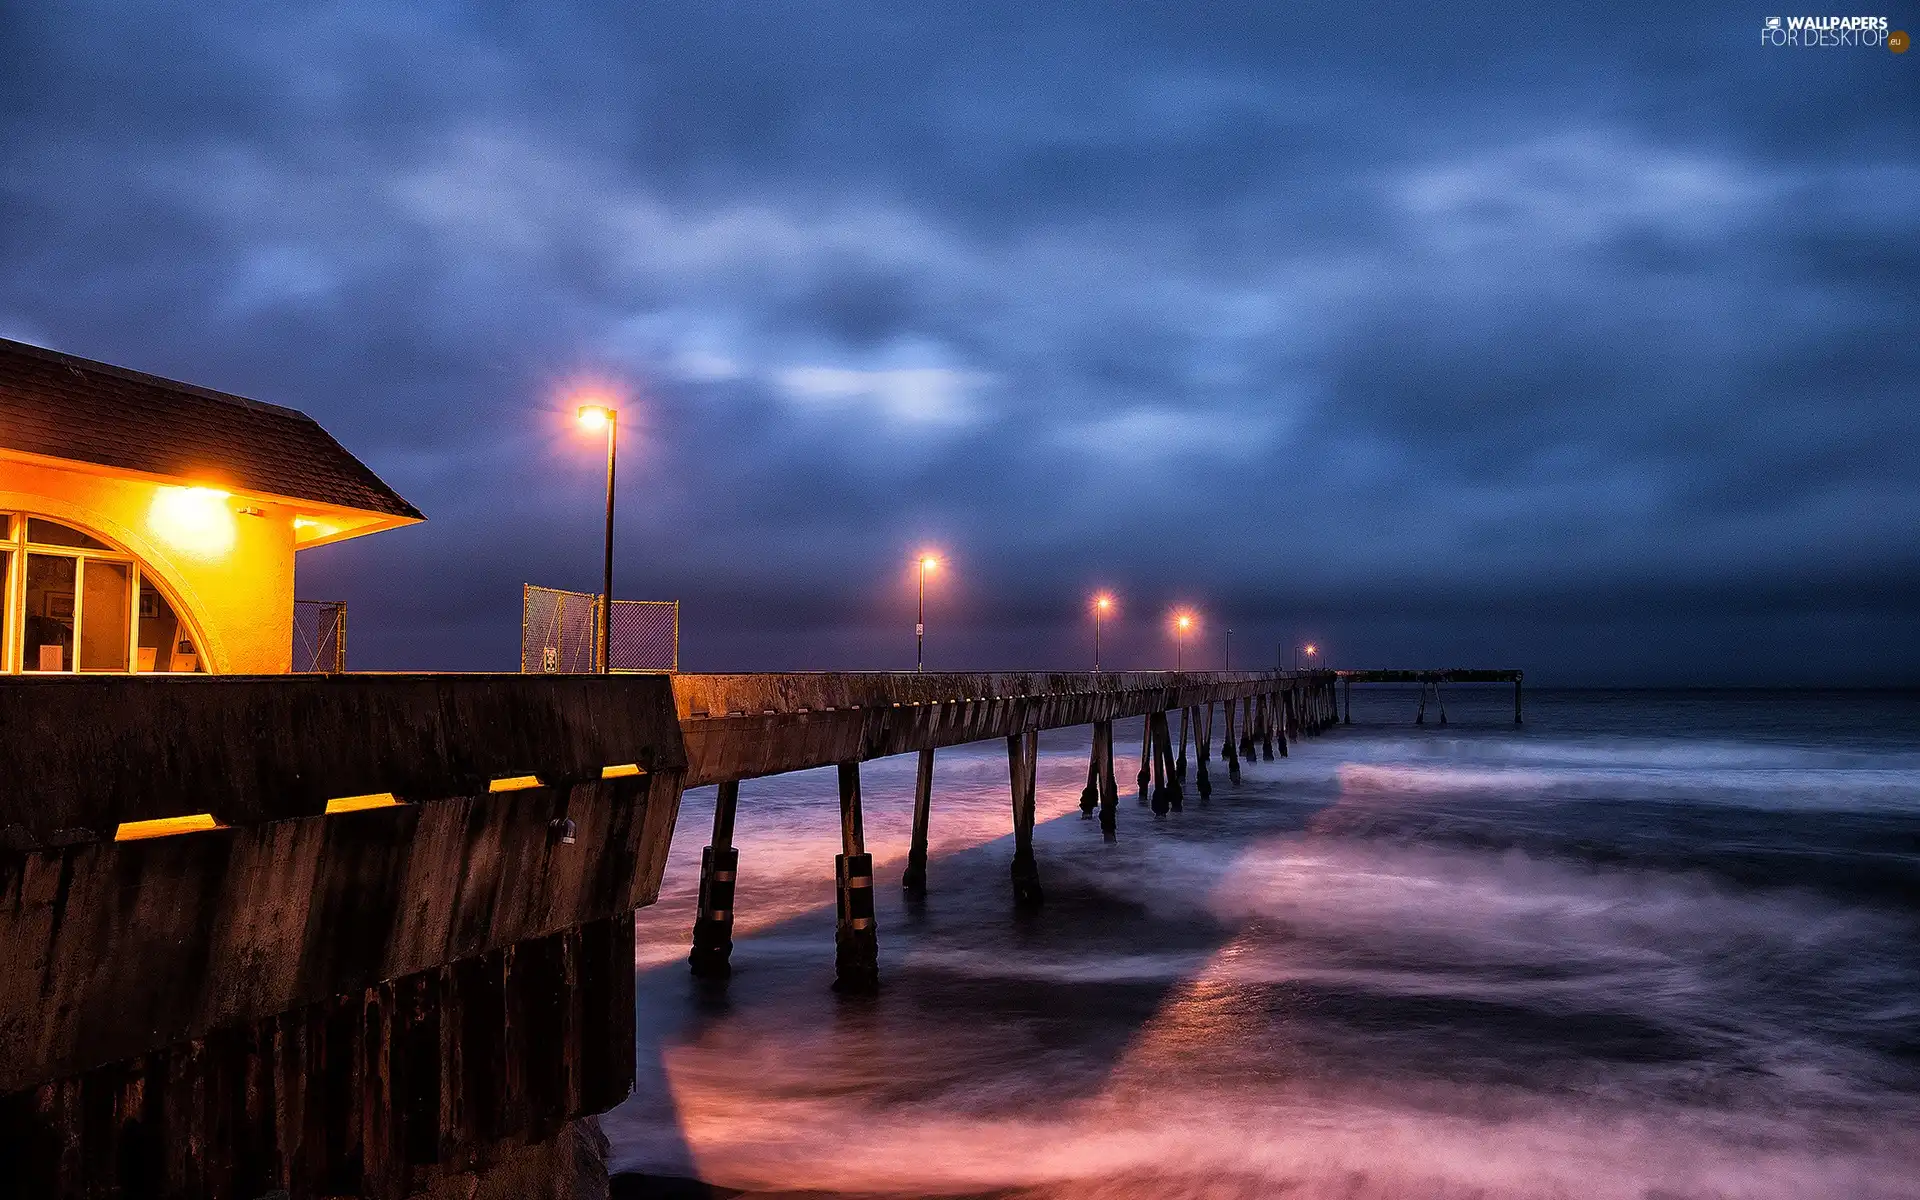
[1429, 682]
[372, 935]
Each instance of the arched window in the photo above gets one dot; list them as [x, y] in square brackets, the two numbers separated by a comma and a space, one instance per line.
[72, 602]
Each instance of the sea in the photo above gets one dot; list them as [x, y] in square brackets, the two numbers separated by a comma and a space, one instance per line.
[1648, 945]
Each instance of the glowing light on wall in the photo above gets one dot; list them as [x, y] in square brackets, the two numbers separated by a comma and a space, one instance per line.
[195, 520]
[309, 529]
[347, 804]
[135, 831]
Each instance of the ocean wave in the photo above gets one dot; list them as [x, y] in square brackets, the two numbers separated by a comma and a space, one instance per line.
[1428, 966]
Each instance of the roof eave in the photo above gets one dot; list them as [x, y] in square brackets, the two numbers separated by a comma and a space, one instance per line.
[380, 524]
[381, 519]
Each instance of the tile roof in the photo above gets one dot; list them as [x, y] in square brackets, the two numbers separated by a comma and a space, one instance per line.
[60, 406]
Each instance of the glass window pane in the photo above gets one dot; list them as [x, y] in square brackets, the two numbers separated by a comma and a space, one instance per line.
[48, 624]
[53, 533]
[6, 606]
[6, 527]
[165, 644]
[103, 616]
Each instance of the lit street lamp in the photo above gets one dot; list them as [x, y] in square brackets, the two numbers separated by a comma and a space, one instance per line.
[1101, 604]
[595, 417]
[927, 563]
[1181, 624]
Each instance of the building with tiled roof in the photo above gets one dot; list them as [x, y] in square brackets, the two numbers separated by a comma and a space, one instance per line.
[151, 525]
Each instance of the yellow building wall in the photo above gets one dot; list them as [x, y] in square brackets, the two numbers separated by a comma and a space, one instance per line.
[229, 573]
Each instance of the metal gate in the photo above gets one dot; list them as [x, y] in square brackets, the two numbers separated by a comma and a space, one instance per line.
[559, 633]
[320, 635]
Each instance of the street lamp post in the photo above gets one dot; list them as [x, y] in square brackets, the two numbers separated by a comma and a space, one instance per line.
[1100, 604]
[1181, 624]
[604, 416]
[927, 563]
[1226, 660]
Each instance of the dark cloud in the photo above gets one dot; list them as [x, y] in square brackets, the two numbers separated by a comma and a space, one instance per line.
[1580, 340]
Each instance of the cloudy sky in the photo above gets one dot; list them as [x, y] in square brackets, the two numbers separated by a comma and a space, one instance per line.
[1584, 342]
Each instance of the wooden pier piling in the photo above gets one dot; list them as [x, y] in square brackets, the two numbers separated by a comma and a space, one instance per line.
[1146, 750]
[1179, 761]
[1023, 761]
[1228, 748]
[1203, 748]
[711, 957]
[1175, 789]
[914, 878]
[856, 939]
[1090, 794]
[1109, 790]
[1162, 763]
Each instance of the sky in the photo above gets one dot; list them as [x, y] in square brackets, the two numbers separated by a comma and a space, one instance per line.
[1583, 342]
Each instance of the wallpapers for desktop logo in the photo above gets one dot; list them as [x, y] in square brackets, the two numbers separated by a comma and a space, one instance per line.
[1832, 32]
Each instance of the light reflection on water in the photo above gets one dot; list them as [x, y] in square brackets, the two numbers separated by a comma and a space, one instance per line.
[1676, 958]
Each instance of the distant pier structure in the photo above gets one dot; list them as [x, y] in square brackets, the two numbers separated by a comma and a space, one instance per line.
[1429, 682]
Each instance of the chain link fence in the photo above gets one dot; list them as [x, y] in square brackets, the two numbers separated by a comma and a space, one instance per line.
[560, 630]
[644, 635]
[320, 636]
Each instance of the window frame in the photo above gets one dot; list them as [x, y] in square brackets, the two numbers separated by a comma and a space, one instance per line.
[8, 553]
[15, 545]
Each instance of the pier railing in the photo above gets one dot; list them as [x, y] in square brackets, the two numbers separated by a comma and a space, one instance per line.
[743, 726]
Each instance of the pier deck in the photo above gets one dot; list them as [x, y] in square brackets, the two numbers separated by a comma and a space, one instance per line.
[371, 934]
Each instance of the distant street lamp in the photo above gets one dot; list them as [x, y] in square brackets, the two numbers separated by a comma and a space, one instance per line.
[1226, 660]
[927, 563]
[593, 418]
[1181, 624]
[1309, 649]
[1101, 603]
